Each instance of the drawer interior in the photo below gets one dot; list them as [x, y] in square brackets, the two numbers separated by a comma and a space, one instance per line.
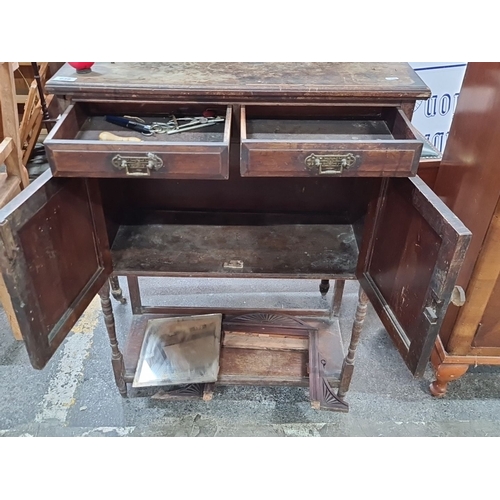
[284, 130]
[85, 122]
[324, 123]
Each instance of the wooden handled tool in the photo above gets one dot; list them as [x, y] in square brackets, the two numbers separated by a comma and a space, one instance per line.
[108, 136]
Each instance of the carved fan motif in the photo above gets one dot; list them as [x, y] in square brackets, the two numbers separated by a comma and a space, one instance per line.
[188, 391]
[330, 399]
[267, 318]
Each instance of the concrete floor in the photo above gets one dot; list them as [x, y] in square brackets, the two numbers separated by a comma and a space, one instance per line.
[75, 394]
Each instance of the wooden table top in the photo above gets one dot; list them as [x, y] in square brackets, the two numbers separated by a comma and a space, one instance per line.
[232, 81]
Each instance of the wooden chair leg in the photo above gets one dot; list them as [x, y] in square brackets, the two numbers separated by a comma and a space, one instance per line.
[116, 356]
[116, 291]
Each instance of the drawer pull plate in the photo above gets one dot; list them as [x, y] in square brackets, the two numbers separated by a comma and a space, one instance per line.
[137, 165]
[330, 164]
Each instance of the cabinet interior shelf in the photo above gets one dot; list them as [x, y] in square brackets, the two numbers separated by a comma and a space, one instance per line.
[247, 246]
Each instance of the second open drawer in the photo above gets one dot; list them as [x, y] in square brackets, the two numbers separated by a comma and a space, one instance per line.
[305, 141]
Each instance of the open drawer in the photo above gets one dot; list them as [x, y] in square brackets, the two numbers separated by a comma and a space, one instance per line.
[345, 141]
[75, 149]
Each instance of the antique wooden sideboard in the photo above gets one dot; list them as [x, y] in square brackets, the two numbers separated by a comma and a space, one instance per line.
[310, 174]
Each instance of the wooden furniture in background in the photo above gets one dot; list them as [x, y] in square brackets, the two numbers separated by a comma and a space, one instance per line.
[21, 121]
[36, 117]
[468, 181]
[15, 178]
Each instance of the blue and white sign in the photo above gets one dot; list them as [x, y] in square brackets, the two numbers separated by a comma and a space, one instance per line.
[433, 117]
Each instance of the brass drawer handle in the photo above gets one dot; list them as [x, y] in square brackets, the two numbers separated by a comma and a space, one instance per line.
[330, 164]
[137, 165]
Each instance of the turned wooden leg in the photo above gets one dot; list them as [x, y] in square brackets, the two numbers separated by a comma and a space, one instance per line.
[338, 292]
[116, 355]
[116, 291]
[135, 294]
[445, 373]
[324, 286]
[208, 392]
[348, 366]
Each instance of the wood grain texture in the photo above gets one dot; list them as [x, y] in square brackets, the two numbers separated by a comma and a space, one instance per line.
[348, 365]
[9, 310]
[257, 367]
[6, 147]
[15, 177]
[279, 147]
[255, 81]
[176, 310]
[9, 124]
[469, 178]
[266, 331]
[478, 323]
[135, 294]
[278, 227]
[49, 219]
[444, 373]
[262, 367]
[488, 333]
[264, 342]
[410, 265]
[272, 250]
[322, 392]
[116, 291]
[10, 187]
[338, 292]
[343, 201]
[116, 355]
[476, 356]
[75, 150]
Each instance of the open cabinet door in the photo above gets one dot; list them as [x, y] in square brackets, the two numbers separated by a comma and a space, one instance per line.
[54, 258]
[409, 264]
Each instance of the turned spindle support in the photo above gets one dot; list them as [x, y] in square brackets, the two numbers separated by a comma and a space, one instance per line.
[116, 356]
[348, 366]
[116, 291]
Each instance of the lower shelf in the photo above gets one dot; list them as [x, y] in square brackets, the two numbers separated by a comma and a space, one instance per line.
[261, 367]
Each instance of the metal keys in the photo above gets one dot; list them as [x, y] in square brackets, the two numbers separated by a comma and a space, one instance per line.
[177, 125]
[173, 126]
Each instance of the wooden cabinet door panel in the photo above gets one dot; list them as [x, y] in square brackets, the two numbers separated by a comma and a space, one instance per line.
[54, 258]
[409, 264]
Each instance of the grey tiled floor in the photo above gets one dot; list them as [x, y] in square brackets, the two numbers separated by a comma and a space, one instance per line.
[75, 394]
